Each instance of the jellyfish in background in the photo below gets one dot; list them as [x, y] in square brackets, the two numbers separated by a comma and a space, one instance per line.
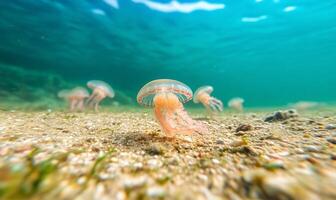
[202, 95]
[237, 104]
[304, 105]
[167, 97]
[100, 90]
[75, 98]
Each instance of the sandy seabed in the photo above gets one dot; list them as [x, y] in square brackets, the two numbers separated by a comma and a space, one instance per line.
[108, 155]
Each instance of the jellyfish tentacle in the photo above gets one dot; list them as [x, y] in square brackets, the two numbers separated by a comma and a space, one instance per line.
[162, 119]
[80, 105]
[90, 100]
[189, 125]
[216, 104]
[72, 104]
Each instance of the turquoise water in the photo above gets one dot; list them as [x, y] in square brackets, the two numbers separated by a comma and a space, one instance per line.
[270, 52]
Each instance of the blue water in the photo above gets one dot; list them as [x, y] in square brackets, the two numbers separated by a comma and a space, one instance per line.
[270, 52]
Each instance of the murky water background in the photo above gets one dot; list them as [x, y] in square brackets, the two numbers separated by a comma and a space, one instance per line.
[269, 52]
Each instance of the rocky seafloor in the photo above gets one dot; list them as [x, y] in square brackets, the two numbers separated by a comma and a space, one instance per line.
[109, 155]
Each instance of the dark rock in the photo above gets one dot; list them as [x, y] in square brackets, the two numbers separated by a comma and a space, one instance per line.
[333, 156]
[155, 150]
[281, 116]
[331, 140]
[244, 149]
[244, 128]
[219, 142]
[330, 127]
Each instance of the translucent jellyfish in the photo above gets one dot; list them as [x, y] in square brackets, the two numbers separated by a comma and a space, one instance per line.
[100, 90]
[75, 98]
[304, 105]
[237, 104]
[167, 97]
[202, 95]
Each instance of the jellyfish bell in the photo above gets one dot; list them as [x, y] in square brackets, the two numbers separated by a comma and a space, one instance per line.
[167, 97]
[103, 86]
[74, 97]
[63, 94]
[203, 95]
[237, 103]
[100, 90]
[80, 92]
[202, 91]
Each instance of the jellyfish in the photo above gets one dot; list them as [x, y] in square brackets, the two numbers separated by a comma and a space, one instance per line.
[202, 95]
[237, 104]
[75, 98]
[167, 97]
[100, 90]
[304, 105]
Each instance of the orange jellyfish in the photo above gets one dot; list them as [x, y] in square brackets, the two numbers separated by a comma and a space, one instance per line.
[75, 98]
[236, 104]
[202, 95]
[167, 97]
[100, 90]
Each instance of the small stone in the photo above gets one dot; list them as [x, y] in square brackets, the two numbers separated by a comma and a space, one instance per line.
[132, 183]
[138, 166]
[313, 160]
[81, 180]
[188, 139]
[219, 142]
[318, 135]
[215, 161]
[238, 143]
[203, 177]
[330, 127]
[275, 164]
[244, 149]
[281, 115]
[333, 156]
[155, 150]
[244, 128]
[284, 154]
[154, 164]
[314, 149]
[156, 192]
[331, 140]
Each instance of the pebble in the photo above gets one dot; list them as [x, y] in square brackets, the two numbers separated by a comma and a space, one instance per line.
[244, 128]
[238, 143]
[138, 166]
[156, 192]
[331, 140]
[244, 149]
[219, 142]
[132, 183]
[281, 115]
[318, 135]
[188, 139]
[154, 163]
[333, 156]
[81, 180]
[155, 150]
[284, 154]
[203, 177]
[215, 161]
[275, 164]
[330, 127]
[314, 149]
